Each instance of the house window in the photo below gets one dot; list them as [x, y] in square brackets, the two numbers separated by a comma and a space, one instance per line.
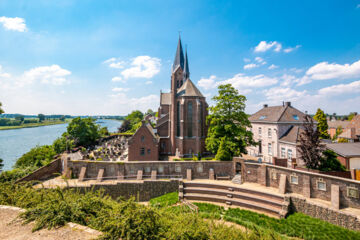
[294, 179]
[260, 131]
[269, 132]
[142, 151]
[282, 152]
[142, 138]
[289, 153]
[178, 120]
[189, 118]
[149, 151]
[269, 149]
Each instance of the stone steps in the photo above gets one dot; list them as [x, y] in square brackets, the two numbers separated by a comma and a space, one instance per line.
[273, 204]
[237, 179]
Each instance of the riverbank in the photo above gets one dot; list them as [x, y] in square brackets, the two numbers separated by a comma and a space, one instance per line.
[32, 125]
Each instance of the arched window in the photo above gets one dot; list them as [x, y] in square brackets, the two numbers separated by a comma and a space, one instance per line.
[178, 119]
[189, 119]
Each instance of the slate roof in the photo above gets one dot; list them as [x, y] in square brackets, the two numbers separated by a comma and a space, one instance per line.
[355, 123]
[189, 89]
[179, 57]
[186, 67]
[335, 124]
[278, 114]
[292, 135]
[345, 149]
[165, 98]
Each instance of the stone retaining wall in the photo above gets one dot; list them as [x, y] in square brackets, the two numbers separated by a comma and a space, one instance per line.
[346, 220]
[142, 190]
[52, 169]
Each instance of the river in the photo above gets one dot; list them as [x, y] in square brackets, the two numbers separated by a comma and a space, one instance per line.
[15, 142]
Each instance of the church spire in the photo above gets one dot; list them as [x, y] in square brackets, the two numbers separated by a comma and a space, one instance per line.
[179, 56]
[186, 67]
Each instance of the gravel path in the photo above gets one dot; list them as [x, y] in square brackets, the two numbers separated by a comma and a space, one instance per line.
[12, 228]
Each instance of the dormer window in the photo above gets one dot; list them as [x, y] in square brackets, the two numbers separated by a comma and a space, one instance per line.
[262, 117]
[296, 117]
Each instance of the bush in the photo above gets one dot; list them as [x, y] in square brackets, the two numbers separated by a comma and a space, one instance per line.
[330, 162]
[62, 144]
[37, 156]
[84, 131]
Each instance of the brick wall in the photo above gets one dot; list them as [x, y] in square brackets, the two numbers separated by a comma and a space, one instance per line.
[52, 169]
[307, 182]
[200, 169]
[143, 139]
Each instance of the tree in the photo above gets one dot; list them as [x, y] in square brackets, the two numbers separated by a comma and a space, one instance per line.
[41, 117]
[38, 156]
[228, 133]
[150, 112]
[350, 117]
[1, 164]
[83, 131]
[19, 117]
[1, 110]
[125, 126]
[329, 162]
[63, 143]
[310, 147]
[322, 125]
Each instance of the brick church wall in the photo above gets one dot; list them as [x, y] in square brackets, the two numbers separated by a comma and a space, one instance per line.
[143, 139]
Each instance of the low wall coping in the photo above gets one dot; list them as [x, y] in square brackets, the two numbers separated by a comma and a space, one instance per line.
[142, 162]
[309, 173]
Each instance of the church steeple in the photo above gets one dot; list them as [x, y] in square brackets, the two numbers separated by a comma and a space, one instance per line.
[179, 56]
[186, 67]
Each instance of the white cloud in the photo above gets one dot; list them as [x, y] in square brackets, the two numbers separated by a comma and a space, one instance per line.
[14, 24]
[142, 67]
[148, 82]
[260, 60]
[325, 71]
[278, 94]
[353, 87]
[247, 60]
[240, 80]
[4, 74]
[264, 46]
[115, 63]
[117, 89]
[290, 49]
[53, 74]
[296, 70]
[250, 66]
[118, 79]
[287, 80]
[128, 104]
[272, 66]
[207, 83]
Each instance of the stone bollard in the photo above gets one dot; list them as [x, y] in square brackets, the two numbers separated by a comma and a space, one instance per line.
[120, 175]
[100, 175]
[282, 184]
[211, 174]
[139, 175]
[153, 175]
[188, 175]
[335, 196]
[82, 174]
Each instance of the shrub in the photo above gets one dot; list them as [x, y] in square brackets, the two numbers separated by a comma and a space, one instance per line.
[37, 156]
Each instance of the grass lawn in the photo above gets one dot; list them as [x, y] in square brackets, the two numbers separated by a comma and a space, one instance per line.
[30, 125]
[296, 225]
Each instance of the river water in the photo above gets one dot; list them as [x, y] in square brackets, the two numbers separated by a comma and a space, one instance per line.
[14, 143]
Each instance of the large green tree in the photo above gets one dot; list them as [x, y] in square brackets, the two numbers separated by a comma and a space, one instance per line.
[84, 131]
[228, 133]
[41, 117]
[1, 110]
[322, 124]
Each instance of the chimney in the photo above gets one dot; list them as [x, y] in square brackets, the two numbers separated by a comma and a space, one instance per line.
[288, 104]
[265, 105]
[283, 103]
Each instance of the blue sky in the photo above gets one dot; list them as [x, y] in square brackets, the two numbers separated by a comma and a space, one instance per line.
[111, 57]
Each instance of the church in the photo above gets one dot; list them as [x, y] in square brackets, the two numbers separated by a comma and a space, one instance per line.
[181, 125]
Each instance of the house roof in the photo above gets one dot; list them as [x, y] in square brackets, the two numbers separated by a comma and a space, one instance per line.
[189, 89]
[165, 98]
[345, 149]
[285, 113]
[292, 135]
[355, 123]
[336, 124]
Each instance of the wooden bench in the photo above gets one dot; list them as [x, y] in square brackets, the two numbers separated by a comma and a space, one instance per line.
[222, 177]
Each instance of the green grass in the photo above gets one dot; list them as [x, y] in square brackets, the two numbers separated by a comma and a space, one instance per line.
[296, 225]
[207, 210]
[31, 125]
[165, 200]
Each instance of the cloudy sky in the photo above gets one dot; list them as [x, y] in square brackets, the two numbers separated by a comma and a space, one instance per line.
[111, 57]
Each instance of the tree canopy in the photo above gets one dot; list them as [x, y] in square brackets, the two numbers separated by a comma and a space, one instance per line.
[41, 117]
[228, 133]
[310, 147]
[84, 131]
[322, 125]
[1, 110]
[132, 122]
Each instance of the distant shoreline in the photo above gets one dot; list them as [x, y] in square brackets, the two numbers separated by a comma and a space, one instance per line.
[33, 125]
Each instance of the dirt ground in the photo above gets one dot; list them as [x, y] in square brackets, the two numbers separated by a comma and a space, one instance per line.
[12, 228]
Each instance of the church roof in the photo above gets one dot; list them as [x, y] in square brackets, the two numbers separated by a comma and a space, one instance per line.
[179, 57]
[165, 98]
[186, 67]
[189, 89]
